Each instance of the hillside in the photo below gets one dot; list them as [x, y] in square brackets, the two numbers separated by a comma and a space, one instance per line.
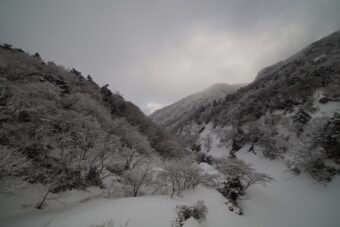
[290, 112]
[62, 130]
[178, 113]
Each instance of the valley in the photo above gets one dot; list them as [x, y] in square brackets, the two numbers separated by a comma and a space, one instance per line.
[75, 153]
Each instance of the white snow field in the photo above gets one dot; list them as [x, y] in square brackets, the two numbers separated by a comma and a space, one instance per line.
[290, 201]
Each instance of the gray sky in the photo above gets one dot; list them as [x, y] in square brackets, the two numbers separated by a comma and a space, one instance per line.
[156, 52]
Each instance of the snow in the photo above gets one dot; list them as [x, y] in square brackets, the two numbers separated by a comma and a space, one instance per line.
[208, 169]
[288, 201]
[320, 58]
[327, 109]
[324, 109]
[216, 150]
[29, 195]
[191, 222]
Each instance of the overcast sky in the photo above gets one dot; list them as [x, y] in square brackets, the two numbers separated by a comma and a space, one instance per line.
[156, 52]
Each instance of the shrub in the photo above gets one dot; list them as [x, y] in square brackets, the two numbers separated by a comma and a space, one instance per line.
[93, 177]
[232, 189]
[66, 179]
[184, 212]
[319, 170]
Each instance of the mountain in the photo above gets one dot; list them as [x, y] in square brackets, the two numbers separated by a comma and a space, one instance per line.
[176, 114]
[290, 112]
[61, 129]
[70, 145]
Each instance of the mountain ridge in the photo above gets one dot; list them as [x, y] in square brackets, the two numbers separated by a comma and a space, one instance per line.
[185, 107]
[291, 109]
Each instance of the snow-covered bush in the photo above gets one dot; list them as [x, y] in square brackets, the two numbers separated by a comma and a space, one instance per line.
[184, 212]
[240, 176]
[93, 177]
[180, 175]
[232, 189]
[235, 168]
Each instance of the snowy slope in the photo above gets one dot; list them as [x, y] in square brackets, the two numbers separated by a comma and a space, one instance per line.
[289, 201]
[171, 116]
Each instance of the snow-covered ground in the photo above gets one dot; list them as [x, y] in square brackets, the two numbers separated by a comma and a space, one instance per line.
[289, 201]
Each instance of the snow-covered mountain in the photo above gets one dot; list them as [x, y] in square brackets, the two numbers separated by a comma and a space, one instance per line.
[60, 129]
[179, 112]
[85, 153]
[290, 112]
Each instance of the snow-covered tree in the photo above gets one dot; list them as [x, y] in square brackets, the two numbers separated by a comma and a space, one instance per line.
[235, 168]
[12, 162]
[180, 175]
[136, 178]
[308, 151]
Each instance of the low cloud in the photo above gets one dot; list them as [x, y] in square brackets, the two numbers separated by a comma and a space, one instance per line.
[152, 107]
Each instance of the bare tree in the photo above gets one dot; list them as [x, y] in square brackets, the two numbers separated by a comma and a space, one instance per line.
[136, 178]
[107, 146]
[12, 162]
[49, 196]
[256, 178]
[180, 175]
[132, 157]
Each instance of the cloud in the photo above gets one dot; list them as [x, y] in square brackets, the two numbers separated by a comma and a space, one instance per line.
[152, 107]
[157, 51]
